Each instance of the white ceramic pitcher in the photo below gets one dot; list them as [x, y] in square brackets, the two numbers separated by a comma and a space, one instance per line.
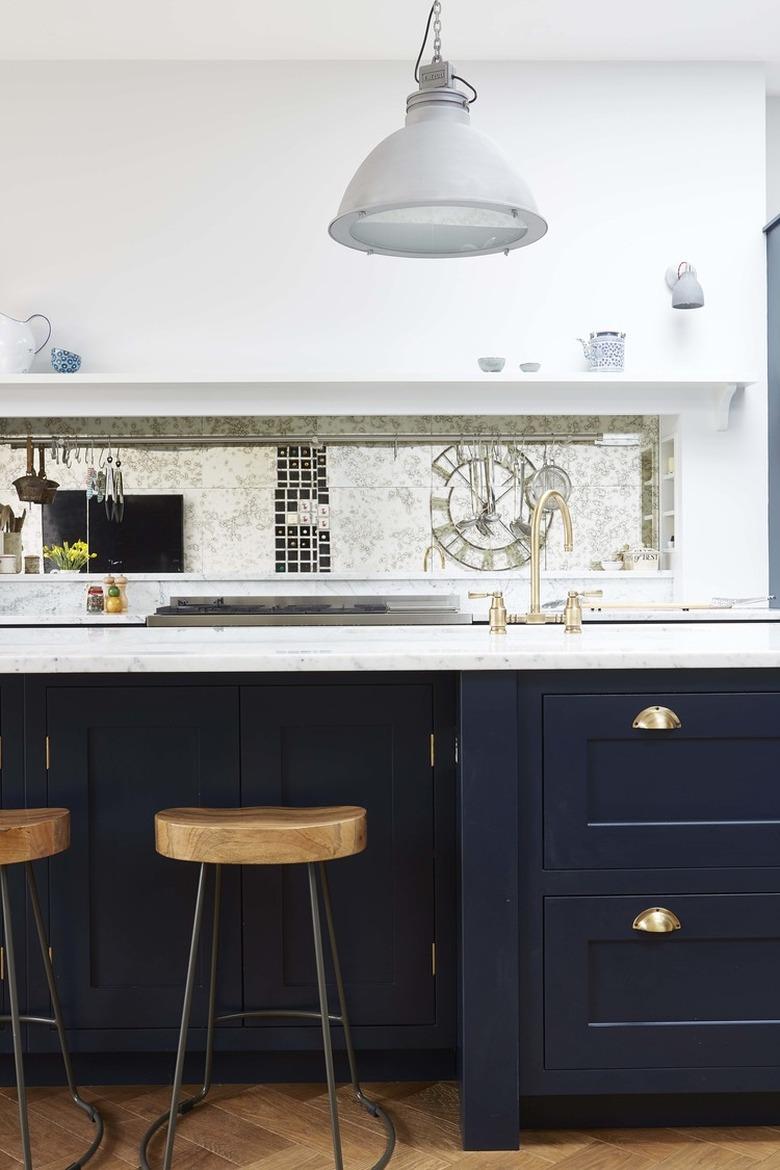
[17, 343]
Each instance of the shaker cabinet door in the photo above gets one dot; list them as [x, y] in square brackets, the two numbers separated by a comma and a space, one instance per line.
[704, 994]
[702, 794]
[369, 745]
[121, 915]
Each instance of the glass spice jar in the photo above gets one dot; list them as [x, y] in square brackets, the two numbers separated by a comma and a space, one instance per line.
[95, 600]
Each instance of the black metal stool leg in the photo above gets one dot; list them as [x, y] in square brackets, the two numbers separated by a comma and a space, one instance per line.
[90, 1110]
[366, 1102]
[212, 1016]
[323, 997]
[190, 1102]
[16, 1030]
[178, 1108]
[185, 1020]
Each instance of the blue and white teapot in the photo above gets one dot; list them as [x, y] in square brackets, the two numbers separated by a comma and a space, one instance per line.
[605, 351]
[17, 343]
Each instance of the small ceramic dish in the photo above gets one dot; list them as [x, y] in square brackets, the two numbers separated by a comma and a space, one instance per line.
[7, 563]
[611, 566]
[491, 365]
[530, 367]
[65, 362]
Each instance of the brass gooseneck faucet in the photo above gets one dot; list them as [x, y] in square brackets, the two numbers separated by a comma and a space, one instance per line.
[571, 618]
[535, 617]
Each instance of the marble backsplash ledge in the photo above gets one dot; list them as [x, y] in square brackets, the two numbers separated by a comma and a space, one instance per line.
[66, 597]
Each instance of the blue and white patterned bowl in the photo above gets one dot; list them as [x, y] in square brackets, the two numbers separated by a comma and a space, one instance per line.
[65, 362]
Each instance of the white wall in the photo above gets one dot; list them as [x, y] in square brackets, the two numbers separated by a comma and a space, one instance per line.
[772, 157]
[173, 216]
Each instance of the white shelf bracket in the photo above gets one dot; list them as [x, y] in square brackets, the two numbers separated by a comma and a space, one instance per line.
[721, 407]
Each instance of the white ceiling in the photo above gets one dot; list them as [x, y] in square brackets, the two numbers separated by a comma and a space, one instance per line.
[727, 30]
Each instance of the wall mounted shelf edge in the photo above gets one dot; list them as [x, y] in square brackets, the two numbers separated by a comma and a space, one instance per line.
[134, 395]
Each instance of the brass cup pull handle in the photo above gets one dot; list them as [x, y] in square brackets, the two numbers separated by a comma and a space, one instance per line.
[656, 920]
[657, 719]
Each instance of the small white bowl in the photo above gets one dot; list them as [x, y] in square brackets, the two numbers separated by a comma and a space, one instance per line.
[7, 563]
[491, 365]
[530, 367]
[611, 566]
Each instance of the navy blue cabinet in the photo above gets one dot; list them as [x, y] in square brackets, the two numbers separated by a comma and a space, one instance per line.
[704, 794]
[347, 744]
[615, 819]
[12, 796]
[120, 915]
[705, 995]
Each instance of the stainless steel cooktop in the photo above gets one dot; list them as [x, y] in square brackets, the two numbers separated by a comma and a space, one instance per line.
[311, 611]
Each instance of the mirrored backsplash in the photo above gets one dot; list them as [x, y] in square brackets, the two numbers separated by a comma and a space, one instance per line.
[312, 506]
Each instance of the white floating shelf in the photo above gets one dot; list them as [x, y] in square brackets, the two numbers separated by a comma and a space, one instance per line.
[71, 395]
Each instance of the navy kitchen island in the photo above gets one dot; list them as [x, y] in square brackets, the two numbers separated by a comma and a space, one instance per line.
[520, 825]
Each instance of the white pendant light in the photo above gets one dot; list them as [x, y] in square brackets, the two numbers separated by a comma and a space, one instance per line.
[437, 188]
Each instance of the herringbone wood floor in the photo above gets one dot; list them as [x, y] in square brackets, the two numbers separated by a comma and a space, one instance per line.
[285, 1127]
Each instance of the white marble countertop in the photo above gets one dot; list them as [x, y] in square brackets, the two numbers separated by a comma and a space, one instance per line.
[76, 618]
[666, 616]
[657, 617]
[363, 648]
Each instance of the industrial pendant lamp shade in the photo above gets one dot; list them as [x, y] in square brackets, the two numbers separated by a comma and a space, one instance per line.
[437, 188]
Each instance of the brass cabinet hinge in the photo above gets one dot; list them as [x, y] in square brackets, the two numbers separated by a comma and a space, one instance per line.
[433, 958]
[47, 753]
[433, 750]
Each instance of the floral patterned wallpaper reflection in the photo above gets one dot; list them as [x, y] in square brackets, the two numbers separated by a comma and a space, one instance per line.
[370, 506]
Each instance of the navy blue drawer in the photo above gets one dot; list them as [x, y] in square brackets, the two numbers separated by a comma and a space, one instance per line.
[705, 794]
[706, 995]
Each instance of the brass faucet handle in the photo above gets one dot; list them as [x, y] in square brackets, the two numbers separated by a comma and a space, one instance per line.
[498, 614]
[572, 614]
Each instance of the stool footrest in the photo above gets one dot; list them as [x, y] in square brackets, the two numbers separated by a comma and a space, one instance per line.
[279, 1014]
[190, 1103]
[31, 1020]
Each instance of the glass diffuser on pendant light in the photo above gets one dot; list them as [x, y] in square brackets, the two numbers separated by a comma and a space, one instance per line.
[437, 188]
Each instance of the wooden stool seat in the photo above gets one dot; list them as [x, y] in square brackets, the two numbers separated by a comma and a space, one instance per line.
[29, 833]
[260, 836]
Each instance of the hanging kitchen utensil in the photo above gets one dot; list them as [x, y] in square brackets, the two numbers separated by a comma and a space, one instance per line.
[549, 477]
[109, 488]
[118, 512]
[27, 487]
[32, 487]
[49, 485]
[518, 526]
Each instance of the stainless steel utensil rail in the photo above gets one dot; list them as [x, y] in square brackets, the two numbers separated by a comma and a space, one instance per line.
[314, 439]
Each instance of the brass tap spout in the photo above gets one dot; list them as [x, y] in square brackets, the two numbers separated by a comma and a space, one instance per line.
[430, 550]
[535, 615]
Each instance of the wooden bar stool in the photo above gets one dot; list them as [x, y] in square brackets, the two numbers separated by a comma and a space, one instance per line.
[26, 835]
[264, 836]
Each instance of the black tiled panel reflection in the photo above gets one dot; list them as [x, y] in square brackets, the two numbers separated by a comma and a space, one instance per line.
[302, 511]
